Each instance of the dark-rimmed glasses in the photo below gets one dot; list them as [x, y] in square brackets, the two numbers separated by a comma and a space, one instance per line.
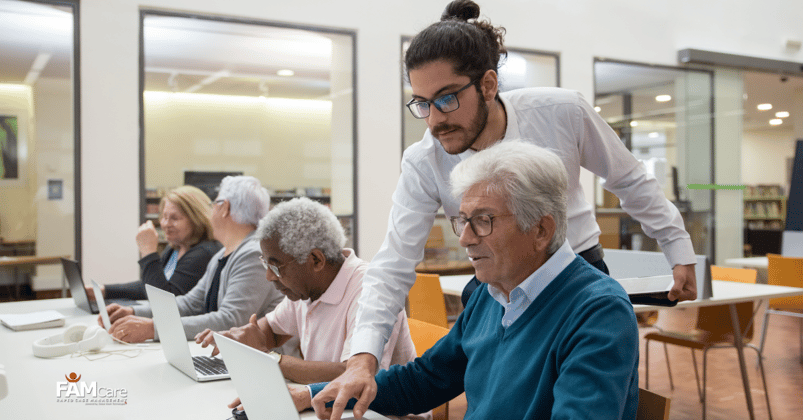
[481, 224]
[445, 103]
[274, 268]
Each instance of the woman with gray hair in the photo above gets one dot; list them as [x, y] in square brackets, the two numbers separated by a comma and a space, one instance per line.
[233, 286]
[534, 190]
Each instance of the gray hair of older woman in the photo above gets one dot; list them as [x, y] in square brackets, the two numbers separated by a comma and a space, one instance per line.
[248, 201]
[302, 225]
[531, 178]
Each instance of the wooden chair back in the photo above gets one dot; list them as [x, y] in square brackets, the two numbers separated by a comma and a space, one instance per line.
[785, 271]
[424, 336]
[652, 406]
[715, 321]
[426, 302]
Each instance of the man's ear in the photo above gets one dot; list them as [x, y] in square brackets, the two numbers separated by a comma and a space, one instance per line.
[318, 259]
[544, 231]
[489, 85]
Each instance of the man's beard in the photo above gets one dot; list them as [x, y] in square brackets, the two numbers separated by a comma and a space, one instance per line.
[477, 126]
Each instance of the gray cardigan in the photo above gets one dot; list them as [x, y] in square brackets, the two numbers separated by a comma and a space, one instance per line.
[243, 291]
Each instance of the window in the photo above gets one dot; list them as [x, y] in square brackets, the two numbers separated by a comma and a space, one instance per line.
[268, 100]
[39, 173]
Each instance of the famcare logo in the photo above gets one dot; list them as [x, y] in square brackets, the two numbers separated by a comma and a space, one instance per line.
[89, 393]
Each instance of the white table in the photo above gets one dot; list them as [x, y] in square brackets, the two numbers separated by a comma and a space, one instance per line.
[760, 264]
[751, 262]
[453, 285]
[156, 390]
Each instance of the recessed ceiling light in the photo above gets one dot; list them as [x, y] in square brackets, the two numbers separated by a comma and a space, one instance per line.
[634, 123]
[285, 72]
[764, 107]
[782, 114]
[653, 135]
[776, 121]
[663, 98]
[598, 109]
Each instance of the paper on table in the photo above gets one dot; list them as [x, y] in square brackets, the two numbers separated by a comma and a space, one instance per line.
[33, 320]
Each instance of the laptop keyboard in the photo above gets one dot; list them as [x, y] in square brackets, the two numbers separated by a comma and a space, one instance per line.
[209, 365]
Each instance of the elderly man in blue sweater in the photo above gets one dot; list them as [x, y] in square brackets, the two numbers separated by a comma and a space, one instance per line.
[548, 336]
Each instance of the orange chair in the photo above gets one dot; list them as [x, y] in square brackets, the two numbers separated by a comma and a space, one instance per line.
[424, 336]
[784, 271]
[713, 330]
[426, 302]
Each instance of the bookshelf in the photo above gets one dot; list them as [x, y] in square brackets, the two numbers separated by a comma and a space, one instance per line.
[764, 207]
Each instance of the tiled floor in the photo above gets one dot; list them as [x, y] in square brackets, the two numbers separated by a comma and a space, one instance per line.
[725, 391]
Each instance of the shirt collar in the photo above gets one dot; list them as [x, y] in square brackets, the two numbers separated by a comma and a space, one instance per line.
[533, 285]
[334, 293]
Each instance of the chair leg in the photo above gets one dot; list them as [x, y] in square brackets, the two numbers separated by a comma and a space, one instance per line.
[764, 332]
[763, 379]
[669, 369]
[647, 363]
[800, 348]
[705, 370]
[697, 375]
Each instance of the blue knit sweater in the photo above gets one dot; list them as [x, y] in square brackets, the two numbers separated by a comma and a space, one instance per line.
[573, 354]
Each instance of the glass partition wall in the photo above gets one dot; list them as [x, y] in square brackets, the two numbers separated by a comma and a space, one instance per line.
[39, 139]
[664, 116]
[522, 68]
[226, 96]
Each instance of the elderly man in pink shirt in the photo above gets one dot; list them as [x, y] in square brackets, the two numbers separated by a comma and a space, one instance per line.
[302, 250]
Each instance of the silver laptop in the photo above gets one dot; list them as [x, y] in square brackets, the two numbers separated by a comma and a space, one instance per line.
[260, 384]
[104, 314]
[167, 321]
[78, 290]
[625, 264]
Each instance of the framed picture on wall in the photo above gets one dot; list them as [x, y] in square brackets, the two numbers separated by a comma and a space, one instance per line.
[13, 147]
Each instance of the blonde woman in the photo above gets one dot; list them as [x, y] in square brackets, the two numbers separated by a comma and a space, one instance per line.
[185, 221]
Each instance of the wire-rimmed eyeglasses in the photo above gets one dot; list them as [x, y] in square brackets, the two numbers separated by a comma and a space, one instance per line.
[274, 268]
[445, 103]
[481, 224]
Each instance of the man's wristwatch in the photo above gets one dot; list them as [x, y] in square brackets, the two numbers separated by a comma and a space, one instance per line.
[277, 356]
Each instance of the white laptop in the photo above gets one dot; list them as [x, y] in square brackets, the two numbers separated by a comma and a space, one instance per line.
[167, 321]
[625, 264]
[104, 314]
[260, 384]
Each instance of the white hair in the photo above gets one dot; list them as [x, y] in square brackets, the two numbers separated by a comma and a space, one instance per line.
[302, 225]
[533, 180]
[248, 201]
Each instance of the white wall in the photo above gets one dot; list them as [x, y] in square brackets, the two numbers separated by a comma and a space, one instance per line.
[764, 156]
[650, 32]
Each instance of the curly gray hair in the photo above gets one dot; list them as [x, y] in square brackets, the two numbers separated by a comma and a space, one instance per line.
[301, 226]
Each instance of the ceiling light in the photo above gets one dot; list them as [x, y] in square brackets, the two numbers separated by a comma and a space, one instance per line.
[776, 121]
[285, 73]
[634, 123]
[663, 98]
[598, 109]
[782, 114]
[764, 107]
[653, 135]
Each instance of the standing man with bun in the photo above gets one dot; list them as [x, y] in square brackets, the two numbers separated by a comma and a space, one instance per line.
[452, 66]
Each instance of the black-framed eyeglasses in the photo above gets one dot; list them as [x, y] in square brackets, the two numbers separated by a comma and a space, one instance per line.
[274, 268]
[481, 224]
[445, 103]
